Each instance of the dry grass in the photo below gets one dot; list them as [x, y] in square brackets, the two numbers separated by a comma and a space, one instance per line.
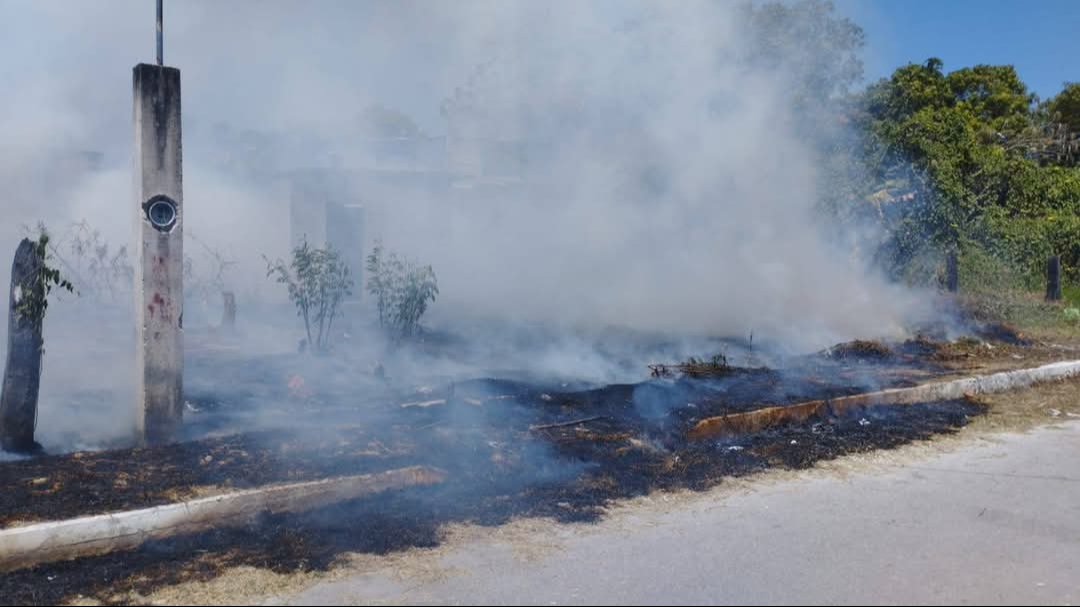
[1024, 310]
[968, 356]
[859, 349]
[1021, 410]
[717, 366]
[240, 586]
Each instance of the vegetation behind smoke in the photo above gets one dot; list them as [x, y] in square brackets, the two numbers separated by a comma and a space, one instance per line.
[927, 161]
[971, 161]
[100, 272]
[680, 142]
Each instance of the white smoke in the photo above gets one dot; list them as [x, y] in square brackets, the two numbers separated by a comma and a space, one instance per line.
[643, 176]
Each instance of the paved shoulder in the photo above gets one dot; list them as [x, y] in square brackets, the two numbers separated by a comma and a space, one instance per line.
[988, 523]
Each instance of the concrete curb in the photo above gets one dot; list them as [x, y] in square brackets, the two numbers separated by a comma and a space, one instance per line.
[93, 535]
[759, 419]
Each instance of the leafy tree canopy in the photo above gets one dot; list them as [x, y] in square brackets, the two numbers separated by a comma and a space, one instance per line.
[1065, 107]
[968, 158]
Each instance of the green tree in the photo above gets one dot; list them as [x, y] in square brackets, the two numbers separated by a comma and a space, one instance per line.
[1065, 107]
[993, 94]
[967, 159]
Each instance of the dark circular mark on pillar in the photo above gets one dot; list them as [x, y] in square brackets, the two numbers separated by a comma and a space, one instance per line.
[161, 212]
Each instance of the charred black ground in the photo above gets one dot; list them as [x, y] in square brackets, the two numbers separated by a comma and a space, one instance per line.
[394, 428]
[591, 469]
[500, 442]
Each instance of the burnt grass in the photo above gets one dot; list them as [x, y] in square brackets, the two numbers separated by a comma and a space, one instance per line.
[500, 466]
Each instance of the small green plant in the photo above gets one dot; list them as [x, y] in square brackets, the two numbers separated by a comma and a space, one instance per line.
[32, 299]
[317, 280]
[402, 290]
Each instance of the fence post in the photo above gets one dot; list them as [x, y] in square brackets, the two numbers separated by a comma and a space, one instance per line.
[952, 272]
[228, 317]
[1053, 278]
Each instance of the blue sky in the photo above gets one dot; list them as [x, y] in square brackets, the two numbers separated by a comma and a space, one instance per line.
[1040, 37]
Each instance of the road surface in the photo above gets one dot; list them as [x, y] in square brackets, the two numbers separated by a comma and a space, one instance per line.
[989, 521]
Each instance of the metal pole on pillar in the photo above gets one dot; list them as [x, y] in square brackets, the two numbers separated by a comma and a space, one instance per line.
[159, 287]
[160, 34]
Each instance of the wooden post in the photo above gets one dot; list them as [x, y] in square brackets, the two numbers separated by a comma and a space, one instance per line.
[22, 372]
[952, 273]
[1053, 278]
[228, 317]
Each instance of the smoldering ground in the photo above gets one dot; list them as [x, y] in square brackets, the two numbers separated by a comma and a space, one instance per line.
[657, 188]
[498, 469]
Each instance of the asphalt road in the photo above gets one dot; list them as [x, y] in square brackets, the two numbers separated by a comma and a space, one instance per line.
[990, 522]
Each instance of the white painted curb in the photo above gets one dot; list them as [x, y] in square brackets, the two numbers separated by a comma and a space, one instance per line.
[980, 384]
[759, 419]
[60, 540]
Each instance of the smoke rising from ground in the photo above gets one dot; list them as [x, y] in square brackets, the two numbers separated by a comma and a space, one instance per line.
[663, 185]
[656, 181]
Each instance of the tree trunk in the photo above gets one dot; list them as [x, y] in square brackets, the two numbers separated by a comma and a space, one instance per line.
[22, 373]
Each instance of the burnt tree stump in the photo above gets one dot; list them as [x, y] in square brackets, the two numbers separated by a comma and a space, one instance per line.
[22, 372]
[952, 272]
[1053, 278]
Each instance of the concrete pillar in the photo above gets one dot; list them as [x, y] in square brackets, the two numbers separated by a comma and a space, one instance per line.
[159, 289]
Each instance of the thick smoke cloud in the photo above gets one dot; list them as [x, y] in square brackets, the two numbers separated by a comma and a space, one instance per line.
[665, 186]
[662, 187]
[648, 179]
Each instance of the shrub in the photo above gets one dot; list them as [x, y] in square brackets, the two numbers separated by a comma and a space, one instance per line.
[402, 290]
[318, 280]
